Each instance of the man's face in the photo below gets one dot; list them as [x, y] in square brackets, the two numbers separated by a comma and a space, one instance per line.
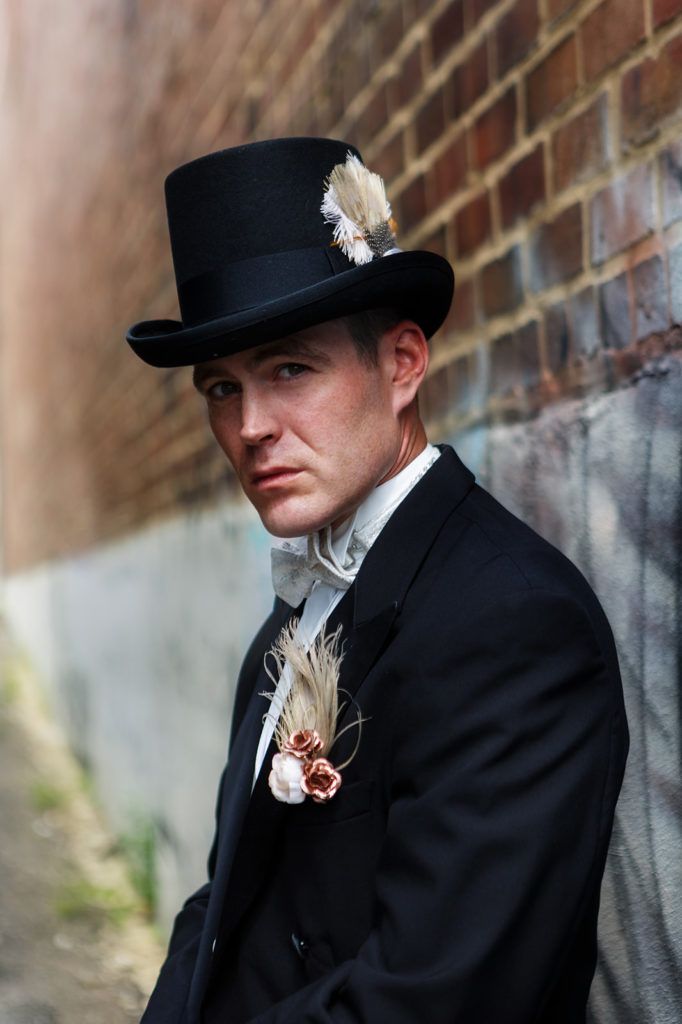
[309, 428]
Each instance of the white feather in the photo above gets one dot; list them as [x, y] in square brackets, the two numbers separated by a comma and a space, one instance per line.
[313, 698]
[355, 204]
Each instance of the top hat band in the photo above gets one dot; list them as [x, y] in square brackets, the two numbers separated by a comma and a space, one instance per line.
[246, 284]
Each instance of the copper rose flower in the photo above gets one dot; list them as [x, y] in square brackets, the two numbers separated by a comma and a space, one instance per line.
[320, 780]
[303, 743]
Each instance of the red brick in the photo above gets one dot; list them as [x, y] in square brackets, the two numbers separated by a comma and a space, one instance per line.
[408, 81]
[580, 147]
[477, 8]
[501, 289]
[552, 82]
[392, 85]
[675, 264]
[473, 225]
[435, 395]
[464, 305]
[516, 34]
[651, 297]
[415, 9]
[412, 204]
[355, 71]
[430, 121]
[614, 313]
[528, 353]
[436, 242]
[584, 325]
[556, 249]
[622, 213]
[610, 33]
[448, 174]
[495, 131]
[651, 94]
[666, 10]
[504, 367]
[460, 384]
[469, 80]
[390, 31]
[557, 345]
[557, 8]
[447, 30]
[340, 81]
[670, 161]
[308, 117]
[390, 160]
[522, 188]
[374, 116]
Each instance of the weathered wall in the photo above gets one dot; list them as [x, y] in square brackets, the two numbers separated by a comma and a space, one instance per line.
[143, 679]
[534, 142]
[602, 479]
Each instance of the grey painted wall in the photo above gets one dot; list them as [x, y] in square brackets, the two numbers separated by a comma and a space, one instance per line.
[141, 641]
[140, 644]
[602, 479]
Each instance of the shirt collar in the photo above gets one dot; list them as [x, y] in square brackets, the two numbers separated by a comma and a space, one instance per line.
[382, 497]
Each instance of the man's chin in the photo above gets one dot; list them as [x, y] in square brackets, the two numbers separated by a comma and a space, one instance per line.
[286, 523]
[285, 531]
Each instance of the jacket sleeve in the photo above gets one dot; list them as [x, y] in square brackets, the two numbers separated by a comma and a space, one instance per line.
[508, 756]
[167, 1002]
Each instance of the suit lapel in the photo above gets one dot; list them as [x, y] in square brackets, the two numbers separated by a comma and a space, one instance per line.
[400, 549]
[365, 614]
[392, 563]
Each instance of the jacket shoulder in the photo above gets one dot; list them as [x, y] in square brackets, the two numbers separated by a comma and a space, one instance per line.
[485, 552]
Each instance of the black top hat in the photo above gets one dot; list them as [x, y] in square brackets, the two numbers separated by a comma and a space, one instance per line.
[255, 259]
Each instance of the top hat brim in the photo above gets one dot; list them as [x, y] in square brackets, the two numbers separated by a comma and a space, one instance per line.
[419, 284]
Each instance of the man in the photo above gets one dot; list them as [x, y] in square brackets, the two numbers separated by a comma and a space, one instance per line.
[454, 874]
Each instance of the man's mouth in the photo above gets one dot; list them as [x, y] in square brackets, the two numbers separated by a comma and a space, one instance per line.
[275, 476]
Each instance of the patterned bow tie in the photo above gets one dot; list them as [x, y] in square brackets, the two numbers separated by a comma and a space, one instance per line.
[296, 565]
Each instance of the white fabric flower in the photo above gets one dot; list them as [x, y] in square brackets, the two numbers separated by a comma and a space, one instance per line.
[285, 779]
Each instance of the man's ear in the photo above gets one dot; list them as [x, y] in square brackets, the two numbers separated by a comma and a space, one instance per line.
[408, 359]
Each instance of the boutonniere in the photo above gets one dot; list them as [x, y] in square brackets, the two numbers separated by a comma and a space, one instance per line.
[306, 729]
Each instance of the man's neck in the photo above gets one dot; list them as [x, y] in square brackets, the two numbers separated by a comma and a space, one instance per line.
[413, 442]
[381, 493]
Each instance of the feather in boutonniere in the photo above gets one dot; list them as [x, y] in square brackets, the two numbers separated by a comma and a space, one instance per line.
[355, 203]
[306, 729]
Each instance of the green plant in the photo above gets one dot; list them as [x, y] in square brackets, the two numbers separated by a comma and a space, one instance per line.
[10, 682]
[138, 845]
[81, 899]
[45, 796]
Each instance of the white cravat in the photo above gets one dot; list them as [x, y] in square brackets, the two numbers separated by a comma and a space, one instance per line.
[346, 548]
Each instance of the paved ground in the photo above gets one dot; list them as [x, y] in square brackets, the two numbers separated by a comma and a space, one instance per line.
[74, 947]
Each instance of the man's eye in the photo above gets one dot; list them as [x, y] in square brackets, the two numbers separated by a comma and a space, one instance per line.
[221, 389]
[289, 370]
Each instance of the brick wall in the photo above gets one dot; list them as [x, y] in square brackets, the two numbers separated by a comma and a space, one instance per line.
[536, 143]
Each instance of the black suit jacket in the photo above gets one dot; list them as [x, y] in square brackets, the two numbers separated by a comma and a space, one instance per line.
[454, 878]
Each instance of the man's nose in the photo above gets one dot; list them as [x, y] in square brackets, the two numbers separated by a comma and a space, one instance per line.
[259, 422]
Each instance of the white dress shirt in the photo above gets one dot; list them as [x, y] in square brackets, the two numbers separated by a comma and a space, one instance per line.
[370, 517]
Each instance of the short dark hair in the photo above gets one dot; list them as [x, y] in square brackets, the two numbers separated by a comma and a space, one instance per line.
[367, 327]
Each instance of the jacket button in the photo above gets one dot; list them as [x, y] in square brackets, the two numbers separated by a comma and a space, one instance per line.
[300, 945]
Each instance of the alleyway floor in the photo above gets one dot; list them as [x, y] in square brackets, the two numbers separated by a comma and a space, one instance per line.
[74, 945]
